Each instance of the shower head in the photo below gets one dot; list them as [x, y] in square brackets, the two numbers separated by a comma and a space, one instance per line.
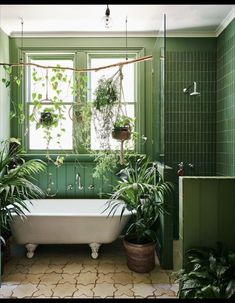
[194, 93]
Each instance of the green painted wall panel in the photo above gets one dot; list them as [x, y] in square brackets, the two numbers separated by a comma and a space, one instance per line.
[207, 212]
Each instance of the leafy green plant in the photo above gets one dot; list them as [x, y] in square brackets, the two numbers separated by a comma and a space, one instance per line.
[141, 190]
[106, 163]
[16, 184]
[124, 121]
[106, 93]
[209, 273]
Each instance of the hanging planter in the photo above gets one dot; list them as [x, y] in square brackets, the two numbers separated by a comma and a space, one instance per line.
[121, 133]
[47, 118]
[122, 128]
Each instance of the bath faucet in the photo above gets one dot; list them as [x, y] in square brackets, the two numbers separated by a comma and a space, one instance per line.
[90, 187]
[70, 187]
[78, 180]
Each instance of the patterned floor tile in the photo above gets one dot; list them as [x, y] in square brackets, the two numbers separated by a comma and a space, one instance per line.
[68, 271]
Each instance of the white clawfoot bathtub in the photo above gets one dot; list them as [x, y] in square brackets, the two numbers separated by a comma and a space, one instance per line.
[68, 221]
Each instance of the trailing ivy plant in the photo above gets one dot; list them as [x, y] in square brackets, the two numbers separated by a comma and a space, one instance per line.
[209, 273]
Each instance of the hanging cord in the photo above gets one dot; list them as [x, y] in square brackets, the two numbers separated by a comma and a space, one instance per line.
[126, 40]
[22, 43]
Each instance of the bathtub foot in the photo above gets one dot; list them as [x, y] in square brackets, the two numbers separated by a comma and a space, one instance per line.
[94, 248]
[30, 250]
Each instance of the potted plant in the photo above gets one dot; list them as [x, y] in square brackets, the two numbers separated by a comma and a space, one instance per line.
[16, 185]
[48, 118]
[141, 190]
[122, 127]
[208, 274]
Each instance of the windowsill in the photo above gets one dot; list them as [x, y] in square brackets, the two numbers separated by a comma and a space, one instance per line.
[68, 157]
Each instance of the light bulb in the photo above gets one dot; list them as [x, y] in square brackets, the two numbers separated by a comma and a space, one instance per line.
[107, 18]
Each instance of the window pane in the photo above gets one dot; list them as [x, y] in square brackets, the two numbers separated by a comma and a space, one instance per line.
[45, 87]
[36, 136]
[114, 144]
[128, 95]
[128, 76]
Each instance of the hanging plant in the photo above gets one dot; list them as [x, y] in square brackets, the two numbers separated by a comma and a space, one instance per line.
[122, 128]
[48, 118]
[106, 93]
[104, 110]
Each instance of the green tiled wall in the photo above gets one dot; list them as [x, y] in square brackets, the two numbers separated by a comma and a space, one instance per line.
[225, 159]
[190, 120]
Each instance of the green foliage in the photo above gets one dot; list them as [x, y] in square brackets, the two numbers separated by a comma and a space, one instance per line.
[106, 163]
[48, 118]
[106, 93]
[124, 121]
[16, 184]
[141, 190]
[208, 273]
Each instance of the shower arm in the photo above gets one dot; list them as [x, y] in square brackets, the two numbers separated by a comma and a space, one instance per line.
[185, 90]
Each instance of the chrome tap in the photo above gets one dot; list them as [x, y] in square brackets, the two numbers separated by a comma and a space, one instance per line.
[78, 181]
[90, 187]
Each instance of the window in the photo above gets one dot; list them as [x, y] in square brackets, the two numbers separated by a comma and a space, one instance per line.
[43, 91]
[128, 97]
[40, 87]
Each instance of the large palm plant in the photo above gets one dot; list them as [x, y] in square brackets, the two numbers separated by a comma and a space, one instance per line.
[16, 181]
[143, 192]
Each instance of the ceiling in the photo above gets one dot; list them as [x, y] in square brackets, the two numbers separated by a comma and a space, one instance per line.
[142, 20]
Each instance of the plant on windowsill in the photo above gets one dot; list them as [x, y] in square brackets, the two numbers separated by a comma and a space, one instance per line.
[141, 190]
[16, 184]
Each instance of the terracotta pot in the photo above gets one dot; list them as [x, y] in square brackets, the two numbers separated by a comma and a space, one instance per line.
[121, 133]
[140, 257]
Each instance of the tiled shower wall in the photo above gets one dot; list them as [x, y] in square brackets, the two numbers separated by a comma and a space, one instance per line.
[226, 102]
[190, 121]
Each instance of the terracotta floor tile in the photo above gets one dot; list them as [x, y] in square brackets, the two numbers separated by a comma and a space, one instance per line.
[106, 268]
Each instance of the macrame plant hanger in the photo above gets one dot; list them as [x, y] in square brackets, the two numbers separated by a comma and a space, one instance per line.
[119, 113]
[122, 155]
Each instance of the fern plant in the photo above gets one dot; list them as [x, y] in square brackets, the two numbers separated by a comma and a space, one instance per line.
[16, 184]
